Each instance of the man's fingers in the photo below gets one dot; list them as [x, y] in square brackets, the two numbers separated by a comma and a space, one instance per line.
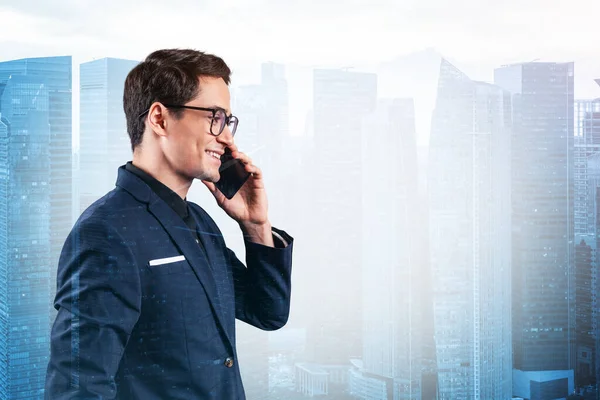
[254, 170]
[233, 148]
[243, 157]
[211, 186]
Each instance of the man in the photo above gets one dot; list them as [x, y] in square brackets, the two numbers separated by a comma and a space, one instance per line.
[147, 291]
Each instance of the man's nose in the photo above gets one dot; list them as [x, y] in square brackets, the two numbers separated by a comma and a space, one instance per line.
[225, 137]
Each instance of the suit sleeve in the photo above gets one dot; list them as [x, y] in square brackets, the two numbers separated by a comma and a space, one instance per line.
[263, 288]
[98, 300]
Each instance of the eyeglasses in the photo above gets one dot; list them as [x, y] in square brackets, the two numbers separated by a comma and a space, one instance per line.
[218, 121]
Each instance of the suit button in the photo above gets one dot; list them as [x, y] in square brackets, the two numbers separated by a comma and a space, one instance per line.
[229, 362]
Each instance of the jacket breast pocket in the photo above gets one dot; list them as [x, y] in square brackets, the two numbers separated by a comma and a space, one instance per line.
[168, 265]
[174, 297]
[173, 278]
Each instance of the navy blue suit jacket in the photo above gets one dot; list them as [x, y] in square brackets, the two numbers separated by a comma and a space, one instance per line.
[145, 312]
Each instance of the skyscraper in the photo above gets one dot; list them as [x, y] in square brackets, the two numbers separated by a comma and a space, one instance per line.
[24, 236]
[341, 99]
[542, 203]
[56, 73]
[587, 144]
[275, 127]
[253, 345]
[264, 125]
[104, 142]
[36, 159]
[469, 183]
[391, 265]
[263, 113]
[587, 183]
[584, 315]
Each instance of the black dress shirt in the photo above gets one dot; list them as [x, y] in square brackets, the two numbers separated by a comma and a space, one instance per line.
[179, 205]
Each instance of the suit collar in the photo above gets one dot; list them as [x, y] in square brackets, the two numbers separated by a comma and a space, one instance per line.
[175, 201]
[128, 181]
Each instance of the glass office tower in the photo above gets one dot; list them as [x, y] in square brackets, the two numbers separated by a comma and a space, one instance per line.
[543, 227]
[469, 184]
[35, 168]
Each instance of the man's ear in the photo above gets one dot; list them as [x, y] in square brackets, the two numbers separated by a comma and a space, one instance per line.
[157, 118]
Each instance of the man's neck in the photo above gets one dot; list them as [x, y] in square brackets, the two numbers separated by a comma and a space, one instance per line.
[164, 174]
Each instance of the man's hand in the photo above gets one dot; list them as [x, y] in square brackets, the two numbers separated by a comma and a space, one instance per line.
[249, 206]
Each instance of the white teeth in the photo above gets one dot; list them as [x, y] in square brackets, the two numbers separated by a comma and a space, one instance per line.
[215, 155]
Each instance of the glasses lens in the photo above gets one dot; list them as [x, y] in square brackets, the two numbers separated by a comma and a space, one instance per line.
[218, 122]
[233, 123]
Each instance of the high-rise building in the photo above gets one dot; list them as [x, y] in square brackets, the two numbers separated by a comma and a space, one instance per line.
[429, 375]
[104, 142]
[543, 227]
[584, 315]
[262, 110]
[264, 125]
[595, 364]
[391, 264]
[586, 184]
[249, 106]
[469, 200]
[248, 103]
[341, 99]
[275, 124]
[587, 144]
[36, 119]
[56, 73]
[25, 230]
[75, 195]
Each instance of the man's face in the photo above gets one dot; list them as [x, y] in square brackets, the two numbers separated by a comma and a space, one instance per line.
[190, 147]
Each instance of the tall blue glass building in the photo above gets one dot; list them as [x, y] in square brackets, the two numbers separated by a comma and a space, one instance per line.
[334, 333]
[24, 236]
[587, 145]
[104, 142]
[543, 227]
[56, 73]
[587, 185]
[469, 200]
[263, 111]
[35, 215]
[340, 100]
[391, 267]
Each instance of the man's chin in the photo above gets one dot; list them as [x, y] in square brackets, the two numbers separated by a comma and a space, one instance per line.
[211, 177]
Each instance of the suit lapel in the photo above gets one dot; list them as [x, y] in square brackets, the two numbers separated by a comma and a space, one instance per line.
[211, 245]
[198, 259]
[182, 237]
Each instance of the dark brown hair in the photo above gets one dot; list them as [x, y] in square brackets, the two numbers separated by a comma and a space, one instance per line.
[167, 76]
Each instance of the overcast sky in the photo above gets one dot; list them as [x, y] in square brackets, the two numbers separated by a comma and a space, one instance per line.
[308, 31]
[476, 35]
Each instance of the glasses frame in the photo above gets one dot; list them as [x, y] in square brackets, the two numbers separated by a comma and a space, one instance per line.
[228, 118]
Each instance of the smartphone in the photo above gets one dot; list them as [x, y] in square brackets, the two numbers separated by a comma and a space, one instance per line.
[233, 175]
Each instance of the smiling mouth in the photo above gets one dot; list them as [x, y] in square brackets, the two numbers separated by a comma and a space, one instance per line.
[214, 154]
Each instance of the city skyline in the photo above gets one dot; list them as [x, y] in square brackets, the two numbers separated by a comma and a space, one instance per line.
[299, 75]
[341, 123]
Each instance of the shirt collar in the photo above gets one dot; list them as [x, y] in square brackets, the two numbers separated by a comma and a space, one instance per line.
[178, 204]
